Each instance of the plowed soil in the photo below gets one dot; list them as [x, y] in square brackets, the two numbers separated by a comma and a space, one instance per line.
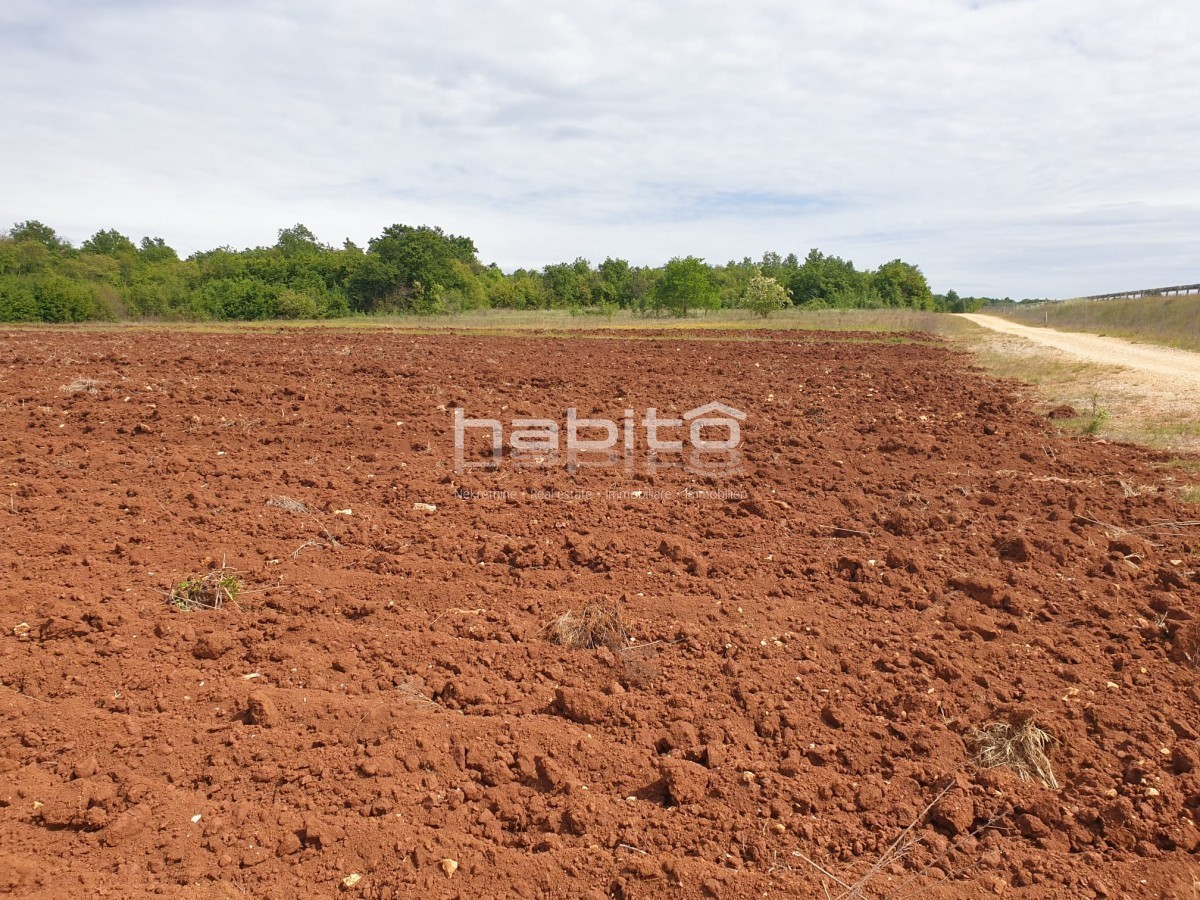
[909, 555]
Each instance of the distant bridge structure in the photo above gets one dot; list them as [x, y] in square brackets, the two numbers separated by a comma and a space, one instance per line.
[1179, 290]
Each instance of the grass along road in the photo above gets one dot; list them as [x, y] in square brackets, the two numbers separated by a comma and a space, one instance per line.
[1123, 391]
[1181, 366]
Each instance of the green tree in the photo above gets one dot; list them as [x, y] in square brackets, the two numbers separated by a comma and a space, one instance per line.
[109, 243]
[423, 257]
[901, 284]
[614, 282]
[782, 269]
[369, 281]
[828, 281]
[569, 284]
[686, 284]
[464, 290]
[530, 290]
[298, 241]
[156, 250]
[64, 300]
[733, 281]
[35, 232]
[765, 295]
[641, 285]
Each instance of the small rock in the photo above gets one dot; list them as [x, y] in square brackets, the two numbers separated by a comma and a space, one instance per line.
[581, 706]
[833, 716]
[1129, 546]
[449, 866]
[978, 588]
[1031, 826]
[687, 782]
[212, 646]
[255, 856]
[714, 755]
[126, 825]
[955, 813]
[261, 710]
[1013, 548]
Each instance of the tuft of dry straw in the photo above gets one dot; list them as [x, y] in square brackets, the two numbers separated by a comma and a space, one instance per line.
[291, 505]
[85, 385]
[1021, 748]
[211, 591]
[596, 625]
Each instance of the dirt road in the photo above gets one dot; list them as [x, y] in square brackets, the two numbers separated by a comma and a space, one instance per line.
[1180, 366]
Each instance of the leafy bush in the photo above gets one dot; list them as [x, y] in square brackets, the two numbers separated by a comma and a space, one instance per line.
[296, 305]
[62, 300]
[18, 303]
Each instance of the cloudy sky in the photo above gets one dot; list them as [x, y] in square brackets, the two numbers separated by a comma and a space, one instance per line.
[1008, 147]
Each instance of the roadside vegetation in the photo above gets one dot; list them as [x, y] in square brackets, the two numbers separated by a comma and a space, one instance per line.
[1172, 321]
[411, 271]
[1089, 400]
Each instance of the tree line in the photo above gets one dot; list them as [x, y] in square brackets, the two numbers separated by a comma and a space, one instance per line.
[409, 269]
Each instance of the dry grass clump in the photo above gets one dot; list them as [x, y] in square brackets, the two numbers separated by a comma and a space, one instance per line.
[1021, 748]
[596, 625]
[282, 502]
[211, 591]
[85, 385]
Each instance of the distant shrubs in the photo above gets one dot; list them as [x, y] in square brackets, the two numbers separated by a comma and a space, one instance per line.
[408, 270]
[49, 298]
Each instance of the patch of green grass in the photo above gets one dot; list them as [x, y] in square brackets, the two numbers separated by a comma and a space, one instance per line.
[503, 321]
[1187, 465]
[210, 591]
[1096, 422]
[1006, 359]
[1172, 432]
[1190, 494]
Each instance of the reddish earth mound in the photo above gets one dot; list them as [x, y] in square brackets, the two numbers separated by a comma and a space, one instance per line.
[908, 559]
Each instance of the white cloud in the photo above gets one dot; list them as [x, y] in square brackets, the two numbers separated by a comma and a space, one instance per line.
[1020, 147]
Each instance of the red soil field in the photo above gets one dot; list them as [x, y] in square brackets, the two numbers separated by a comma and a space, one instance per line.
[909, 555]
